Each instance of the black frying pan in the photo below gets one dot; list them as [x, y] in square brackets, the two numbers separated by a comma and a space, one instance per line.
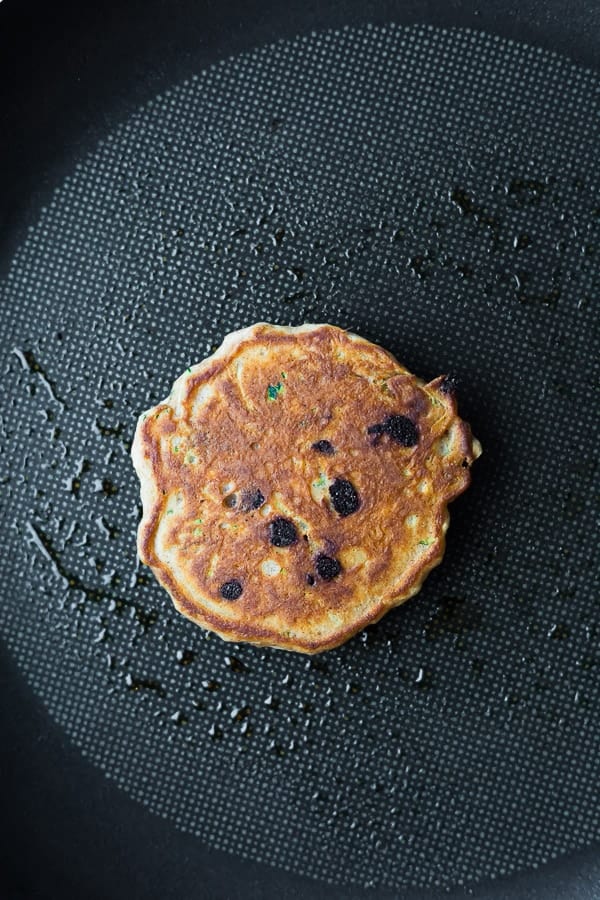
[450, 213]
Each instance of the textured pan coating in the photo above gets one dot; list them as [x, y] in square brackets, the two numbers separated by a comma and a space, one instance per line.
[295, 485]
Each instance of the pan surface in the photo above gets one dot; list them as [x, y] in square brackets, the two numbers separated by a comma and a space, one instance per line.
[437, 192]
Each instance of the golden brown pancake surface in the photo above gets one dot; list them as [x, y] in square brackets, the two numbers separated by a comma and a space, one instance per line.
[295, 484]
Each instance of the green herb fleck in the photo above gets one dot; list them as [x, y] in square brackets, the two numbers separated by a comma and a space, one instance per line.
[321, 480]
[274, 390]
[199, 520]
[425, 543]
[170, 512]
[188, 370]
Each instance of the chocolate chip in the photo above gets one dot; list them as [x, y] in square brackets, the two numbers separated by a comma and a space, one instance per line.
[231, 590]
[327, 567]
[252, 499]
[400, 428]
[449, 385]
[230, 501]
[324, 447]
[310, 579]
[282, 532]
[344, 497]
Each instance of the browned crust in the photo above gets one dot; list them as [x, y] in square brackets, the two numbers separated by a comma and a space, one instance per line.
[165, 419]
[253, 634]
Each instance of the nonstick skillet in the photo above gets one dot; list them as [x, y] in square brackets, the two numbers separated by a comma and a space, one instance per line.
[426, 176]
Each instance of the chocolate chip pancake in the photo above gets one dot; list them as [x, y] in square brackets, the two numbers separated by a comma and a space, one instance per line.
[295, 485]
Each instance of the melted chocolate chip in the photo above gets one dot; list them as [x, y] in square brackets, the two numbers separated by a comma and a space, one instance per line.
[344, 497]
[324, 447]
[327, 567]
[401, 429]
[310, 579]
[449, 385]
[252, 499]
[230, 501]
[282, 532]
[231, 590]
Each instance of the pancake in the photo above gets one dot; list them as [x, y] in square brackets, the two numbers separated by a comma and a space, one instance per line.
[295, 485]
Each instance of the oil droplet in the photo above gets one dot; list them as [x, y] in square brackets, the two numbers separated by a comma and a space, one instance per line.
[235, 664]
[559, 631]
[238, 714]
[29, 362]
[105, 486]
[521, 241]
[423, 679]
[139, 684]
[453, 616]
